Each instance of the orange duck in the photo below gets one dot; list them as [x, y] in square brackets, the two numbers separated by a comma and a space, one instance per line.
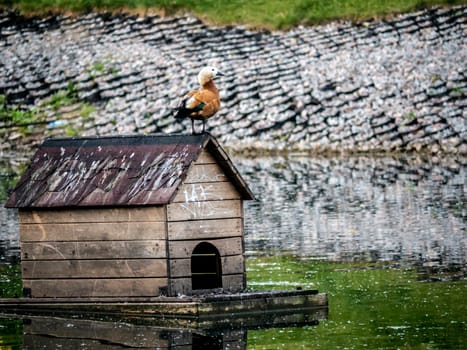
[203, 103]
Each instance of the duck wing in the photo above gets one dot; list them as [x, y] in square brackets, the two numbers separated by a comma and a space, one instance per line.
[198, 104]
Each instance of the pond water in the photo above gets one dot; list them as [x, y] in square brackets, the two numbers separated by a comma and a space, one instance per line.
[383, 237]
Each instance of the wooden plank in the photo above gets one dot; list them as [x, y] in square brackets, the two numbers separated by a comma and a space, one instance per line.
[225, 246]
[92, 215]
[74, 288]
[206, 192]
[230, 265]
[233, 264]
[92, 231]
[94, 268]
[204, 229]
[233, 283]
[180, 286]
[205, 158]
[230, 283]
[205, 173]
[93, 250]
[204, 210]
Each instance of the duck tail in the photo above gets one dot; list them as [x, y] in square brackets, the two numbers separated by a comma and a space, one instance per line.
[181, 112]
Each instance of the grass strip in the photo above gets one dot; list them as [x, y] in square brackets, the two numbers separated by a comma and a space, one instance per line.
[270, 14]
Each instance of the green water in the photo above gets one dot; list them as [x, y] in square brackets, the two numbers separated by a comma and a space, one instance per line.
[371, 306]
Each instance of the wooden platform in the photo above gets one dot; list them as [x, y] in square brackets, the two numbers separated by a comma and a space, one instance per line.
[206, 311]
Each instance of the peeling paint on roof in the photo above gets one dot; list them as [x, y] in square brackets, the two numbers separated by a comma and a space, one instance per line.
[114, 171]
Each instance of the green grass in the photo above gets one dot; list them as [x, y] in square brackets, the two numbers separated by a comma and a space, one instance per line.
[7, 182]
[11, 334]
[273, 14]
[15, 115]
[11, 285]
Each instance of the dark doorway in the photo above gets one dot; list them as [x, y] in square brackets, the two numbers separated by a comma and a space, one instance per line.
[205, 342]
[206, 270]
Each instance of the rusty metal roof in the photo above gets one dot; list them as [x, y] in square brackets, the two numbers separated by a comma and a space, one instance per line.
[115, 171]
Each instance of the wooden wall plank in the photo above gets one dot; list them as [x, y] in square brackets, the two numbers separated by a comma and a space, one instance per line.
[180, 286]
[230, 265]
[233, 264]
[206, 191]
[204, 210]
[230, 283]
[75, 215]
[205, 158]
[92, 231]
[74, 288]
[205, 173]
[93, 250]
[94, 268]
[146, 213]
[233, 283]
[204, 229]
[226, 246]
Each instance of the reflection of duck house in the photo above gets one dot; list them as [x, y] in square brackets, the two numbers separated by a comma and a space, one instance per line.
[63, 333]
[131, 216]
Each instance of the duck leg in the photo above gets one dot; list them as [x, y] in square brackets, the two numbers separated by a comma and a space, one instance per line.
[192, 126]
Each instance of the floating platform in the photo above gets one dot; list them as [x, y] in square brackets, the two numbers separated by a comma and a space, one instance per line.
[272, 308]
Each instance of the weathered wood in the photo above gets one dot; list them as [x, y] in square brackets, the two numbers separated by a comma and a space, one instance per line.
[94, 268]
[230, 283]
[92, 231]
[82, 288]
[93, 250]
[204, 229]
[180, 286]
[204, 210]
[233, 283]
[230, 265]
[206, 192]
[206, 311]
[75, 215]
[225, 246]
[205, 158]
[205, 173]
[233, 264]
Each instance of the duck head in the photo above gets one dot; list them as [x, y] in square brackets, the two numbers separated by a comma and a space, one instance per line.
[207, 74]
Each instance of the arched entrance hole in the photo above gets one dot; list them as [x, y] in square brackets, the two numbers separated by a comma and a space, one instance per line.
[206, 270]
[206, 342]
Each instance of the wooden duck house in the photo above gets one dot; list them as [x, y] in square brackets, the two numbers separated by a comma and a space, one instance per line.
[131, 216]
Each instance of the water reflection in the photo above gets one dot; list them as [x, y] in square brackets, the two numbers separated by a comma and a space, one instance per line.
[38, 332]
[60, 333]
[358, 208]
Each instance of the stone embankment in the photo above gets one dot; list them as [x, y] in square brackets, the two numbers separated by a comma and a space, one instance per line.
[393, 85]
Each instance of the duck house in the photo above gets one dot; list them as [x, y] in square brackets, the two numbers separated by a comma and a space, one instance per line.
[131, 216]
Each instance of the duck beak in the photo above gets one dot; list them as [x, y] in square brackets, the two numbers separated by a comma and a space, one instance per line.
[220, 73]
